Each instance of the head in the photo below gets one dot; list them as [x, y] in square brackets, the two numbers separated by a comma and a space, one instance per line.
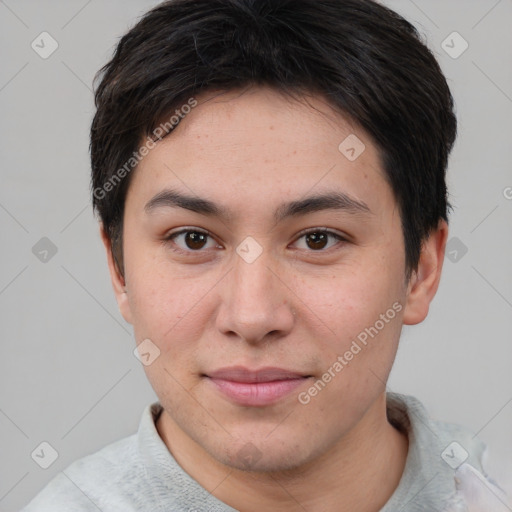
[308, 166]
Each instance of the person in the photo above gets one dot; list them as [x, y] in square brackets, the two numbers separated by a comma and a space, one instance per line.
[269, 177]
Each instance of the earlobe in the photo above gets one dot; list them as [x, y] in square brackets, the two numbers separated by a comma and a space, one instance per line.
[425, 281]
[117, 278]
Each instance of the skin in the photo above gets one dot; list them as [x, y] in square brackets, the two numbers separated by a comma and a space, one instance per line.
[297, 306]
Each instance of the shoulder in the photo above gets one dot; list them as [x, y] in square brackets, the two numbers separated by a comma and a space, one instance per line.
[451, 443]
[133, 474]
[89, 482]
[445, 465]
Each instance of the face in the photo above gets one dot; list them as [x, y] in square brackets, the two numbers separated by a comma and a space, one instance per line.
[256, 253]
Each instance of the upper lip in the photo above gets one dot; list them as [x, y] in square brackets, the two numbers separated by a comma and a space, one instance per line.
[242, 374]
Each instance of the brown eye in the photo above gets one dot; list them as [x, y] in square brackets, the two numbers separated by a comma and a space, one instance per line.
[195, 239]
[318, 239]
[189, 240]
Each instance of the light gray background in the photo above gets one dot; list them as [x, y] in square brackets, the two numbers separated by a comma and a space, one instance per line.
[67, 372]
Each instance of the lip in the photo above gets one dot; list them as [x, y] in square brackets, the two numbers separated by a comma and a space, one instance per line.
[259, 387]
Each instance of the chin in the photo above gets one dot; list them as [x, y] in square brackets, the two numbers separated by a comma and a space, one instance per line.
[261, 455]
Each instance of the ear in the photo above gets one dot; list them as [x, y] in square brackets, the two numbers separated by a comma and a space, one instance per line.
[118, 281]
[424, 281]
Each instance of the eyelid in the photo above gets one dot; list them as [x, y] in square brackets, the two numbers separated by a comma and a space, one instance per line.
[187, 229]
[319, 229]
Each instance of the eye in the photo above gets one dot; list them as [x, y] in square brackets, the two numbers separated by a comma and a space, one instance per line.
[190, 240]
[318, 239]
[194, 240]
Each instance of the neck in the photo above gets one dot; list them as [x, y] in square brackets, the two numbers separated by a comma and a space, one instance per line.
[338, 481]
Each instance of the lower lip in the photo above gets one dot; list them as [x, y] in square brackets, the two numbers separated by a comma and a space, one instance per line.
[257, 393]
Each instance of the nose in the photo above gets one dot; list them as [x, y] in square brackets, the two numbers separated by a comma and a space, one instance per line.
[256, 302]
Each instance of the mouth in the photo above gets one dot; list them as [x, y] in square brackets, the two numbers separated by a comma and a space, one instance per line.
[255, 388]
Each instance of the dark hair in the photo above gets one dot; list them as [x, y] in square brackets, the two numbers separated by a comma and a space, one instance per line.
[366, 60]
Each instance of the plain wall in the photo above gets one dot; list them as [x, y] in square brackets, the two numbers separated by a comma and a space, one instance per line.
[68, 375]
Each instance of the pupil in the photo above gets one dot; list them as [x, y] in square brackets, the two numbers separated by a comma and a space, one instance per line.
[194, 240]
[317, 239]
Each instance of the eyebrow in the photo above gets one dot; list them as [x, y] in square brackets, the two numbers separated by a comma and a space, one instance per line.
[333, 200]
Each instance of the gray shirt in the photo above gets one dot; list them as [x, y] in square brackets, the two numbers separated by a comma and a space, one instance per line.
[138, 473]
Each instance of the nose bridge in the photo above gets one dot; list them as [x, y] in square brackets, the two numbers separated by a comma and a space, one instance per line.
[253, 300]
[253, 285]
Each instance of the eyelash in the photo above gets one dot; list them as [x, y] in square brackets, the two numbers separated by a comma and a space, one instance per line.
[170, 238]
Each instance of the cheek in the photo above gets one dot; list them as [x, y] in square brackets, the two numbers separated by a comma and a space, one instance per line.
[171, 311]
[361, 312]
[349, 299]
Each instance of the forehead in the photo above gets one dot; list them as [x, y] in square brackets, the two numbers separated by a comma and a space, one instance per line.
[256, 145]
[262, 115]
